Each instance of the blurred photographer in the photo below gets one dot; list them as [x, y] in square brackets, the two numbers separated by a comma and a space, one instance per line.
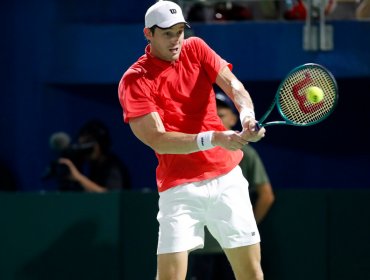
[88, 165]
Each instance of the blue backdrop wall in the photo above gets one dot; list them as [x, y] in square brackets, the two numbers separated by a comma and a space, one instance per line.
[61, 62]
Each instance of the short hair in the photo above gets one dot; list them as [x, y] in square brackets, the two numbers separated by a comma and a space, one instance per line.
[153, 28]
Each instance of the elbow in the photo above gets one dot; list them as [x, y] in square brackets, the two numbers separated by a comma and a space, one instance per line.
[160, 148]
[157, 146]
[159, 151]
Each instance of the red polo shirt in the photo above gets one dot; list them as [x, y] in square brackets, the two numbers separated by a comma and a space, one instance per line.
[182, 94]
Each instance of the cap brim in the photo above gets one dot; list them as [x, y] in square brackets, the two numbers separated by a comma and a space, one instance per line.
[169, 24]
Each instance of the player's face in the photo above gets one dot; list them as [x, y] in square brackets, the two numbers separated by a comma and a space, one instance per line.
[227, 117]
[166, 44]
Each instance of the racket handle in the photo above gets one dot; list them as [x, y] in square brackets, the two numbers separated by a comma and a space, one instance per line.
[258, 126]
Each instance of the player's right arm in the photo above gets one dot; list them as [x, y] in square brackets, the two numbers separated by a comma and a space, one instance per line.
[150, 130]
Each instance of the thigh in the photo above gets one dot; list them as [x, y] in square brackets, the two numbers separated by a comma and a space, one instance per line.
[246, 261]
[181, 219]
[172, 266]
[230, 217]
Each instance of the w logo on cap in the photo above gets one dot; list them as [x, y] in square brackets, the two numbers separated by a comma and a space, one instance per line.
[173, 11]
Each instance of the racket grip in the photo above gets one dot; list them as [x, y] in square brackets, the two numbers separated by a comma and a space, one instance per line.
[258, 126]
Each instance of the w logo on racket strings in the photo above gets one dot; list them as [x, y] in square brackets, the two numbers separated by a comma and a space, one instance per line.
[301, 98]
[173, 11]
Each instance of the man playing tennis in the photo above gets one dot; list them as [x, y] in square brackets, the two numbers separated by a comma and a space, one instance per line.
[168, 100]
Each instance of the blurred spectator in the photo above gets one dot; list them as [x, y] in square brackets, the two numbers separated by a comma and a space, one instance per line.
[298, 9]
[232, 11]
[219, 11]
[201, 12]
[88, 165]
[261, 193]
[295, 10]
[210, 11]
[363, 10]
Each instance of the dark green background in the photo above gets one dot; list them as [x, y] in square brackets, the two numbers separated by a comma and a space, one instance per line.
[309, 234]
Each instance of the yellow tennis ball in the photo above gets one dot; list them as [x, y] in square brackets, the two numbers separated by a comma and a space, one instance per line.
[314, 94]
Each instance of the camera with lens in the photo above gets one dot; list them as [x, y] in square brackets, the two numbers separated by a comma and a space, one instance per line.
[77, 153]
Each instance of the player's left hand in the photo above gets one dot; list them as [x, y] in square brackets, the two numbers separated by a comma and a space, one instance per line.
[250, 131]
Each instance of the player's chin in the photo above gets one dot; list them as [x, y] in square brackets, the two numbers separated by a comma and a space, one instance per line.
[175, 56]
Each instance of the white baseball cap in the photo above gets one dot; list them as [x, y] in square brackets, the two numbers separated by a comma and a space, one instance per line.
[164, 14]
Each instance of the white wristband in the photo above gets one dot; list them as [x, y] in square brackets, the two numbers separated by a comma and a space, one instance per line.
[246, 112]
[204, 140]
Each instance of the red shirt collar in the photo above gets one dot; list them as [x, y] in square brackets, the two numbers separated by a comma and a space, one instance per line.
[157, 61]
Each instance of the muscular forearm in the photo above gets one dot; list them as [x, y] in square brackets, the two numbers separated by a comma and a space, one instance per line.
[174, 143]
[234, 89]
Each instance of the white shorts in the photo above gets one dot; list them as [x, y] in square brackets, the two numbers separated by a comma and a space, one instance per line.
[222, 204]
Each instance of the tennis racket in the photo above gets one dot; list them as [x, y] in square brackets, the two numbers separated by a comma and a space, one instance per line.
[292, 103]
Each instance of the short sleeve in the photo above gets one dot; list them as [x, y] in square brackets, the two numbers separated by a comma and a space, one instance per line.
[134, 95]
[210, 60]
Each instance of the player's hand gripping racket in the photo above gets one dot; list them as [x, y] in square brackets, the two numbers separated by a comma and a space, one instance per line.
[306, 96]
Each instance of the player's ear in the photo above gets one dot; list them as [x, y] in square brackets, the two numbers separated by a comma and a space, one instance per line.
[147, 33]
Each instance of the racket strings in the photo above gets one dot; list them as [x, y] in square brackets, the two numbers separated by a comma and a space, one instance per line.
[292, 100]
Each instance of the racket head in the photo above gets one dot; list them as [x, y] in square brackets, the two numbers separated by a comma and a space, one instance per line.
[291, 100]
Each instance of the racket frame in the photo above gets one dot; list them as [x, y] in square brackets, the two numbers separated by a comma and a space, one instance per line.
[276, 102]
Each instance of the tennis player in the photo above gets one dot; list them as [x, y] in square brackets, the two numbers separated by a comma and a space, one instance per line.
[168, 100]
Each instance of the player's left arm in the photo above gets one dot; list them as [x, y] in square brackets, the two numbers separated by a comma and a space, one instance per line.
[228, 82]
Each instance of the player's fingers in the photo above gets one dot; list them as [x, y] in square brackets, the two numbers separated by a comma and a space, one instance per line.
[262, 131]
[240, 140]
[251, 125]
[235, 137]
[246, 134]
[259, 135]
[253, 136]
